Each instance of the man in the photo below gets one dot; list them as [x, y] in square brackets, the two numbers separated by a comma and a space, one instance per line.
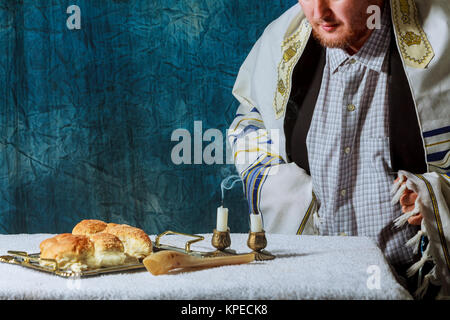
[334, 107]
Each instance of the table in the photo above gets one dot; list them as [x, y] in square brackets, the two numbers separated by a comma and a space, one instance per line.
[306, 267]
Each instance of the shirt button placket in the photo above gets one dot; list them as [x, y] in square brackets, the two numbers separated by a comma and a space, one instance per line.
[350, 107]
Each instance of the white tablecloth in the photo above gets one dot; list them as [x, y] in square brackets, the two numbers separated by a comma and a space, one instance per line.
[306, 267]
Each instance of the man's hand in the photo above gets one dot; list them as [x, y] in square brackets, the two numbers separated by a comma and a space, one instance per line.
[407, 201]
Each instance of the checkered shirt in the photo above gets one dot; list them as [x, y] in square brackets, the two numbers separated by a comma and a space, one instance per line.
[348, 148]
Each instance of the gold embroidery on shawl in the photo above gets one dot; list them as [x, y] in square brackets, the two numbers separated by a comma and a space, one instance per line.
[291, 48]
[412, 40]
[281, 87]
[289, 53]
[404, 8]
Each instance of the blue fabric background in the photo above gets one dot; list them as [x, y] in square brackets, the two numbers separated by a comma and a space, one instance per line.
[86, 116]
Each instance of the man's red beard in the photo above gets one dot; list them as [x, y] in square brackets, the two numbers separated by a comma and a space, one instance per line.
[342, 42]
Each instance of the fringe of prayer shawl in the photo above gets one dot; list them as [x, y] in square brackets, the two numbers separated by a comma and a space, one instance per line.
[396, 192]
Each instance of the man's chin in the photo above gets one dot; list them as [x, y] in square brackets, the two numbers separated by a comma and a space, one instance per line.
[330, 39]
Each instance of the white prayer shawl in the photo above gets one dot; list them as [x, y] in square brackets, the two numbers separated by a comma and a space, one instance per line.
[281, 191]
[433, 202]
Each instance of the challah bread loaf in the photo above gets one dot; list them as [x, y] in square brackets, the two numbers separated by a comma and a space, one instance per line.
[74, 252]
[94, 244]
[109, 250]
[89, 227]
[135, 241]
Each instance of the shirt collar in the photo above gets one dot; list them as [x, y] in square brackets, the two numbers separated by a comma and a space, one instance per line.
[373, 52]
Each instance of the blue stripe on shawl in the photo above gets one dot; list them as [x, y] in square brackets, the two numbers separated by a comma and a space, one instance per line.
[244, 131]
[436, 132]
[255, 110]
[252, 172]
[254, 179]
[437, 156]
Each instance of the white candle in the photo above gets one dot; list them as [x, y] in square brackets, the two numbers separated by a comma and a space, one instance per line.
[222, 219]
[255, 223]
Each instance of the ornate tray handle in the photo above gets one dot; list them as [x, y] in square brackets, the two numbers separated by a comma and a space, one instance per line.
[27, 258]
[187, 247]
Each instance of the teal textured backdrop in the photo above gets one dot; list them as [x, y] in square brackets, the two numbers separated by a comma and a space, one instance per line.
[86, 116]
